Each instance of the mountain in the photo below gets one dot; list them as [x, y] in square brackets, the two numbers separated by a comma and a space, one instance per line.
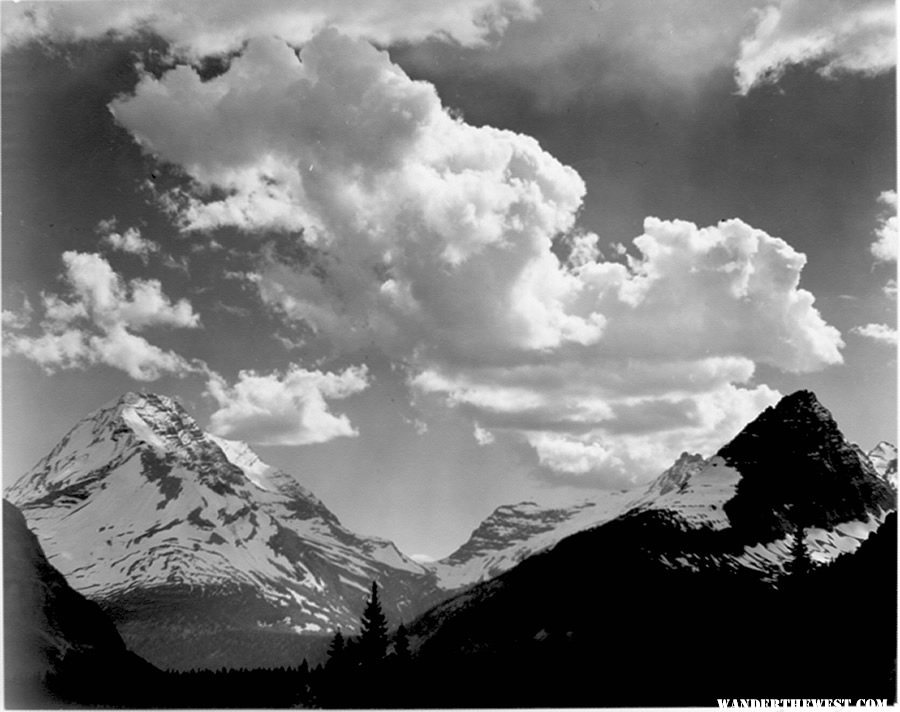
[790, 470]
[202, 554]
[59, 648]
[746, 488]
[698, 590]
[514, 532]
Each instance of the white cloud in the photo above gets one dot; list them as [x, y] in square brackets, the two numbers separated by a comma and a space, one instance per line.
[129, 241]
[204, 28]
[482, 436]
[18, 320]
[885, 247]
[399, 188]
[878, 332]
[420, 426]
[110, 302]
[284, 409]
[432, 239]
[578, 50]
[839, 36]
[95, 324]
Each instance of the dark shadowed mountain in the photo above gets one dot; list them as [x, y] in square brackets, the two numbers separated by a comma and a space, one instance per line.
[59, 648]
[767, 571]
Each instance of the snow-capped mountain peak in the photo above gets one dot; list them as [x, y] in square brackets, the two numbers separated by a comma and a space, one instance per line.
[137, 500]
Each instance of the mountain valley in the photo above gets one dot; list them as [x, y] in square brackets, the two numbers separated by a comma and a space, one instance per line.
[204, 557]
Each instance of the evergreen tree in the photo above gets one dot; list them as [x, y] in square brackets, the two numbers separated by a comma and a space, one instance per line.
[336, 647]
[800, 563]
[373, 637]
[401, 645]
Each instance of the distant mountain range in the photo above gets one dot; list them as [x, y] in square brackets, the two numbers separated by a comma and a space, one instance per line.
[204, 556]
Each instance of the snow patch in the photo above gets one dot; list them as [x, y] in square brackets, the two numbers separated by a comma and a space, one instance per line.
[142, 430]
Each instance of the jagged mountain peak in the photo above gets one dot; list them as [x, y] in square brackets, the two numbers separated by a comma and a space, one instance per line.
[800, 423]
[802, 399]
[144, 426]
[676, 476]
[796, 467]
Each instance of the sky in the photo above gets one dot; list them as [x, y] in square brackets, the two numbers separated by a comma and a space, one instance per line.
[432, 258]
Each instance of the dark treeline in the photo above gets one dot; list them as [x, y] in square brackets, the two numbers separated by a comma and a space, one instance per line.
[594, 623]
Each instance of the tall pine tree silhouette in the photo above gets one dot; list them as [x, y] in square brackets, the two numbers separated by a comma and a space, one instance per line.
[373, 637]
[800, 564]
[336, 647]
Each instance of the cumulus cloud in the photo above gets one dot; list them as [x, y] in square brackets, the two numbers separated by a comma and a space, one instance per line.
[878, 332]
[432, 238]
[129, 241]
[885, 247]
[221, 26]
[95, 324]
[838, 36]
[284, 409]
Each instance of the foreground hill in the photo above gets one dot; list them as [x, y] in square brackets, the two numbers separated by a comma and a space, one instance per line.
[59, 647]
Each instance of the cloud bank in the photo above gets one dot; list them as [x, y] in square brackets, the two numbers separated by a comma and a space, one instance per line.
[838, 36]
[95, 324]
[433, 240]
[199, 29]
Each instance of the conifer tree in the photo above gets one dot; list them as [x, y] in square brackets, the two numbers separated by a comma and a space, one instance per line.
[373, 638]
[401, 644]
[800, 564]
[336, 646]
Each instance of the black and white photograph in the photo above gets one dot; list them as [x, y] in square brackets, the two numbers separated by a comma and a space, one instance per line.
[417, 354]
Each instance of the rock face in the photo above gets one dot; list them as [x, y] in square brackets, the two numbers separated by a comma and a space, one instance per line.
[884, 459]
[58, 646]
[195, 547]
[797, 469]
